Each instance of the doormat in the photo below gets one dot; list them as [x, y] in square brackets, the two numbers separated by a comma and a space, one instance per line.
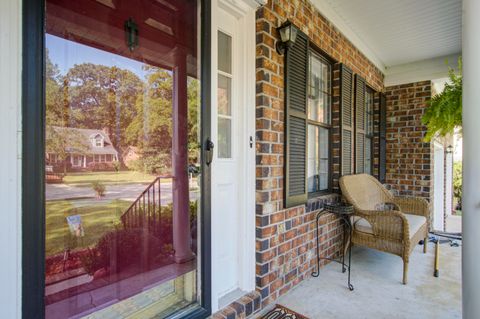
[280, 312]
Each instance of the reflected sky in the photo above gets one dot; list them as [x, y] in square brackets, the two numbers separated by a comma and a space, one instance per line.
[65, 54]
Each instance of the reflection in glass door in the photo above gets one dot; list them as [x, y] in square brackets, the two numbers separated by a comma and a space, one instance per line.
[122, 126]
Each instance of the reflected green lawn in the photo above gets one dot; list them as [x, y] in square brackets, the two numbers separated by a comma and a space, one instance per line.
[98, 217]
[108, 178]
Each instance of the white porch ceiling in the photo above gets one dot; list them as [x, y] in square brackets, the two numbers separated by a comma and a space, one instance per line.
[397, 32]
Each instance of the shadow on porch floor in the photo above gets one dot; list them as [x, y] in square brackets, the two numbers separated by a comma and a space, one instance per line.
[378, 290]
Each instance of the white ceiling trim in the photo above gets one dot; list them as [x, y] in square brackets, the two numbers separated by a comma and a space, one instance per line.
[423, 70]
[340, 24]
[241, 6]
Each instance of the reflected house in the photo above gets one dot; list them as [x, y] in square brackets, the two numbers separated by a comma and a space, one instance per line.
[81, 149]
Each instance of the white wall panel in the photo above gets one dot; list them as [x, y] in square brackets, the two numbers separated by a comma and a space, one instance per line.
[10, 158]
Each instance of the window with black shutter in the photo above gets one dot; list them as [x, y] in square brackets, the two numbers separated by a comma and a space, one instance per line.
[357, 129]
[308, 99]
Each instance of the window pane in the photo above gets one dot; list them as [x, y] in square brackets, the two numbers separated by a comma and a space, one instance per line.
[312, 158]
[118, 243]
[327, 100]
[224, 138]
[318, 154]
[224, 52]
[323, 158]
[326, 77]
[224, 95]
[319, 100]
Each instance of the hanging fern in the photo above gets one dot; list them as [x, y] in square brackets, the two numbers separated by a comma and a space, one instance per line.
[444, 112]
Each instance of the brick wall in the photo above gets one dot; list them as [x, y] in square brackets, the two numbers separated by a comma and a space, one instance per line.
[244, 307]
[270, 86]
[285, 237]
[409, 158]
[286, 244]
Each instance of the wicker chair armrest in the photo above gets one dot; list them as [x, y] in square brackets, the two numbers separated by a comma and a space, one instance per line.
[387, 224]
[413, 205]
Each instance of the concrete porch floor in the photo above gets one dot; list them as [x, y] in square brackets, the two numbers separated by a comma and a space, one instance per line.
[454, 224]
[379, 292]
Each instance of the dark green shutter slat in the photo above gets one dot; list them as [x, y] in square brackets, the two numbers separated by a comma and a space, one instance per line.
[296, 78]
[382, 169]
[360, 153]
[346, 113]
[360, 130]
[347, 152]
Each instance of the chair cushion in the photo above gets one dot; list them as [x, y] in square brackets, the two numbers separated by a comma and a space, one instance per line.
[414, 223]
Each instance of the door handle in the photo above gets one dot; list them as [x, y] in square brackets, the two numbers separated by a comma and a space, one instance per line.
[209, 151]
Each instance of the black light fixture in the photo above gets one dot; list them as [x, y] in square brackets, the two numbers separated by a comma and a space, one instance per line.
[131, 34]
[288, 35]
[449, 149]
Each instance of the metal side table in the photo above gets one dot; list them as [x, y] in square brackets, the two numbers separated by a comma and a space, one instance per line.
[344, 212]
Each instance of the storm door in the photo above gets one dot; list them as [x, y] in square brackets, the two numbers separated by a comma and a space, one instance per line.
[122, 158]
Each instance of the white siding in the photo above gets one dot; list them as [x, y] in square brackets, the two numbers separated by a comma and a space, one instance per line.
[10, 159]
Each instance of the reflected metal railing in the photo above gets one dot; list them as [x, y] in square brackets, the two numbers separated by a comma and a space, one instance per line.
[146, 210]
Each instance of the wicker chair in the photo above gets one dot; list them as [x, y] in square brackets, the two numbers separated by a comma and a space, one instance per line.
[385, 222]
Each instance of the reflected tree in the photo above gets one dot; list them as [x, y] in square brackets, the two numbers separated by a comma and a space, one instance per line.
[103, 97]
[134, 112]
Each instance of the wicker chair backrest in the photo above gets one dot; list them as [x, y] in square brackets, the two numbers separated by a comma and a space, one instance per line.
[364, 192]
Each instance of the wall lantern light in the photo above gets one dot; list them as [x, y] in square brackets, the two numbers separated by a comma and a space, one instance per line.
[449, 149]
[131, 34]
[288, 35]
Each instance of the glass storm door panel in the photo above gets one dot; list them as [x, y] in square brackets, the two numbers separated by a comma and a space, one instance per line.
[224, 95]
[122, 126]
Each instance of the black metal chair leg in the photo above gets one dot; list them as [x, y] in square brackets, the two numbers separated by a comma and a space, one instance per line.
[317, 272]
[350, 286]
[344, 245]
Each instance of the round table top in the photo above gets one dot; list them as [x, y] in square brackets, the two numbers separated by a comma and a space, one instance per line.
[339, 208]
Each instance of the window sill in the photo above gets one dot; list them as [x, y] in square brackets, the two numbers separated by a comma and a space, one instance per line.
[320, 194]
[316, 200]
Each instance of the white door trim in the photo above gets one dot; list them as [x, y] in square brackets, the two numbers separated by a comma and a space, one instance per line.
[244, 11]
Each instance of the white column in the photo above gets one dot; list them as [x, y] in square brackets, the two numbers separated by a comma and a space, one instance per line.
[471, 160]
[181, 214]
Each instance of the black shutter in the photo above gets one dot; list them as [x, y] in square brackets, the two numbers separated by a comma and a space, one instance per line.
[382, 135]
[360, 122]
[296, 79]
[346, 119]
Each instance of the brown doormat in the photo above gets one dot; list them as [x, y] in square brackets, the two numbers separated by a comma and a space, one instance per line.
[280, 312]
